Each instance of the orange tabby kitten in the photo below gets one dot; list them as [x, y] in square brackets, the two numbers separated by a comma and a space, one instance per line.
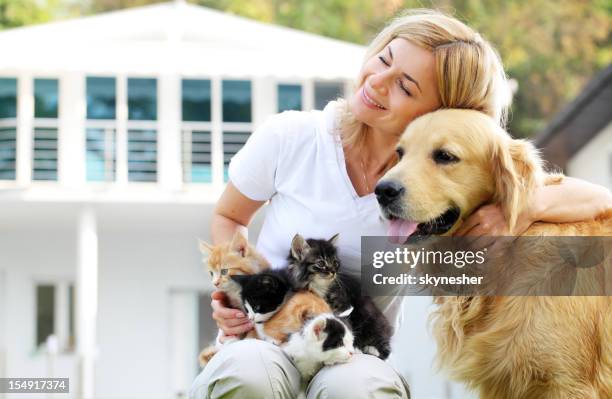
[229, 259]
[223, 261]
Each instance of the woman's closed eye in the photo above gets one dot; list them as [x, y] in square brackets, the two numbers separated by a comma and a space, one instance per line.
[399, 81]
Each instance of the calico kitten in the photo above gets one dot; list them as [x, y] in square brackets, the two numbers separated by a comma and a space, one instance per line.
[229, 259]
[314, 265]
[299, 308]
[273, 306]
[324, 341]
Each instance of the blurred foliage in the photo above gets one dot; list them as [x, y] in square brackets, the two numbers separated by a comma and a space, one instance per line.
[23, 12]
[551, 48]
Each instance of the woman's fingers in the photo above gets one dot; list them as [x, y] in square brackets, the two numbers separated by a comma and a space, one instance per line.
[233, 322]
[239, 329]
[222, 312]
[230, 321]
[218, 295]
[466, 227]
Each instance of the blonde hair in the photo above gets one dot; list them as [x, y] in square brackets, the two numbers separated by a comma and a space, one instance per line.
[469, 71]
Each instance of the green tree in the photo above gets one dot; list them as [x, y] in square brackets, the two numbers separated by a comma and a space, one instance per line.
[550, 48]
[17, 13]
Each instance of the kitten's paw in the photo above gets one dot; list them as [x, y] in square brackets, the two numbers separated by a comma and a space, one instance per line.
[370, 350]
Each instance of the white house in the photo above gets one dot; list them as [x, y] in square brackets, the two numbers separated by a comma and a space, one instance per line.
[115, 134]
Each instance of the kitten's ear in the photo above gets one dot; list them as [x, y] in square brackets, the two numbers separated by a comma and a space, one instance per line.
[268, 282]
[318, 327]
[239, 244]
[334, 239]
[299, 246]
[240, 278]
[205, 247]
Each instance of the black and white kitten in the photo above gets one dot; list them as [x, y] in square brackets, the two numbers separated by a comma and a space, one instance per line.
[314, 264]
[323, 341]
[263, 294]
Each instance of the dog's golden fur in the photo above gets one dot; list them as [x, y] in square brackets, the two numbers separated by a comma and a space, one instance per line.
[505, 347]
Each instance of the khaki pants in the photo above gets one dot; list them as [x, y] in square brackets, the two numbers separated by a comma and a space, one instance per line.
[254, 369]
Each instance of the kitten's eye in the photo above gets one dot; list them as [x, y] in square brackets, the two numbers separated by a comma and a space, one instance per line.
[224, 272]
[211, 274]
[443, 157]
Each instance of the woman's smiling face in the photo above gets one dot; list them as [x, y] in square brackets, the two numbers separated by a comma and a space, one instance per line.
[399, 84]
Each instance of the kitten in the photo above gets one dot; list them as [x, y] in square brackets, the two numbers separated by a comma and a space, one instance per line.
[299, 308]
[229, 259]
[263, 293]
[236, 257]
[273, 306]
[314, 265]
[324, 341]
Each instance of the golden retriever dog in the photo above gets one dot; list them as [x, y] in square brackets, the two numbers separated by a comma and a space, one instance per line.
[504, 347]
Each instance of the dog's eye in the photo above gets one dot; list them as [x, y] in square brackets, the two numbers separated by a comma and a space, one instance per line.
[444, 157]
[400, 152]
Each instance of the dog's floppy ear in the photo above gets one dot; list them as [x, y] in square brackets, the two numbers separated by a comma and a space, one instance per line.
[517, 170]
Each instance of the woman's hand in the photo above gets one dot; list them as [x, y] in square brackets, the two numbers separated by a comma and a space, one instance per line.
[573, 200]
[489, 220]
[232, 322]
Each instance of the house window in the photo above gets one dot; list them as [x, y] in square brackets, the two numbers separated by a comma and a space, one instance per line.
[101, 98]
[45, 313]
[44, 150]
[236, 101]
[327, 91]
[196, 131]
[101, 128]
[55, 314]
[8, 128]
[196, 100]
[237, 123]
[142, 129]
[289, 97]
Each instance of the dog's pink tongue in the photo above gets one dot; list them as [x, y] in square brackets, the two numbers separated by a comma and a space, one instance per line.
[400, 230]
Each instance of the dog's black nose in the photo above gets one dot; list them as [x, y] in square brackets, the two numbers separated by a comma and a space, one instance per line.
[388, 191]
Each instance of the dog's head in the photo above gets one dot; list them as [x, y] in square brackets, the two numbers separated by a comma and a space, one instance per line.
[451, 162]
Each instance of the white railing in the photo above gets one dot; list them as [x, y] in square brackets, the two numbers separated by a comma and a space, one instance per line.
[8, 149]
[44, 149]
[100, 147]
[196, 151]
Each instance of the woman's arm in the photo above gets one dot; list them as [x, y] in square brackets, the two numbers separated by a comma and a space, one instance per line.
[572, 200]
[233, 212]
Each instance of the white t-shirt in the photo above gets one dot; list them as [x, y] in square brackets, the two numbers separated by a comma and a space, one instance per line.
[295, 160]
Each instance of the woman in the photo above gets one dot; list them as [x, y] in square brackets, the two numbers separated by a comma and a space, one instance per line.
[319, 169]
